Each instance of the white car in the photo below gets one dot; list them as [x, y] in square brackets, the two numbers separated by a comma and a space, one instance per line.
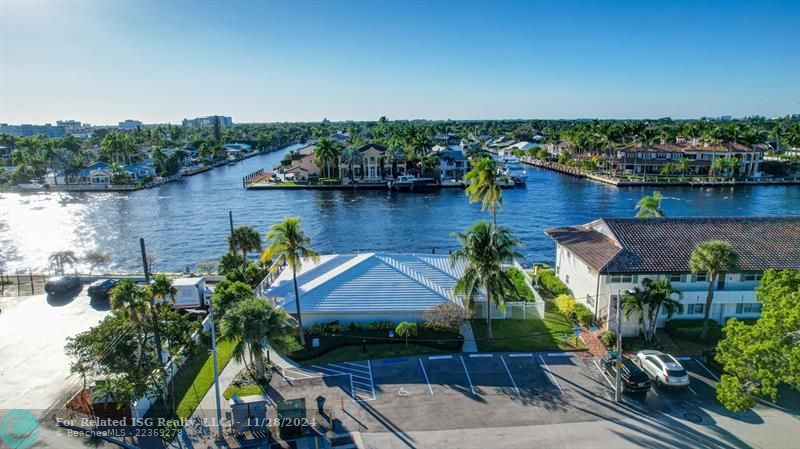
[663, 368]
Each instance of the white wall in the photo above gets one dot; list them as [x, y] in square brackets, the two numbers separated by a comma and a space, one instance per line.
[580, 279]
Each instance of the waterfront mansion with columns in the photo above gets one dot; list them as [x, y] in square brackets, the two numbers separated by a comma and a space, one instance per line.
[600, 260]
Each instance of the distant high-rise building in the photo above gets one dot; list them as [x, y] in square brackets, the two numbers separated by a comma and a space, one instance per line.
[28, 130]
[129, 125]
[208, 122]
[70, 126]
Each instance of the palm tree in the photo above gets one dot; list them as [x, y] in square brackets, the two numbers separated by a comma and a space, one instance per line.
[712, 257]
[250, 324]
[482, 186]
[719, 166]
[160, 288]
[396, 155]
[351, 156]
[650, 206]
[484, 249]
[659, 296]
[289, 244]
[668, 169]
[130, 301]
[244, 239]
[635, 302]
[325, 152]
[406, 329]
[683, 166]
[59, 259]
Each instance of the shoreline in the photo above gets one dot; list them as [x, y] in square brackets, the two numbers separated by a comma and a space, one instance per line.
[621, 182]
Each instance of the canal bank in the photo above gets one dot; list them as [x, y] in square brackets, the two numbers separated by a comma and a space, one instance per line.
[184, 223]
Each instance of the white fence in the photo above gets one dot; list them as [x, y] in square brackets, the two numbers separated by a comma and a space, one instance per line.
[511, 310]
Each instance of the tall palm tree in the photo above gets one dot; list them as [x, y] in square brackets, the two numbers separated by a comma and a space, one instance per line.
[396, 154]
[713, 257]
[325, 152]
[250, 324]
[484, 249]
[683, 166]
[130, 301]
[719, 166]
[244, 239]
[290, 245]
[659, 297]
[668, 169]
[482, 186]
[650, 206]
[351, 156]
[161, 288]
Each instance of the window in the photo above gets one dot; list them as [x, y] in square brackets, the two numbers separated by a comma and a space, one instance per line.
[701, 277]
[675, 277]
[695, 309]
[751, 307]
[566, 279]
[615, 278]
[752, 276]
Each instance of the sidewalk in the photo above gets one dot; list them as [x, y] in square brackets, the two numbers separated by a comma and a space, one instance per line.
[469, 337]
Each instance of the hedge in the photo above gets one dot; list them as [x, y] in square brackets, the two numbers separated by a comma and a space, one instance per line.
[691, 329]
[334, 335]
[573, 310]
[521, 285]
[550, 282]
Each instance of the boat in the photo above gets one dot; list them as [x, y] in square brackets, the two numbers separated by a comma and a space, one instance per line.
[515, 171]
[410, 183]
[32, 186]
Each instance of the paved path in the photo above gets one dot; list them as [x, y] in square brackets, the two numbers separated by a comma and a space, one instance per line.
[469, 337]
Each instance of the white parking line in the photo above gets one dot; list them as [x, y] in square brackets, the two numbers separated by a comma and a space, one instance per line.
[362, 383]
[521, 355]
[425, 373]
[371, 382]
[558, 354]
[467, 373]
[354, 364]
[362, 371]
[328, 369]
[605, 393]
[707, 370]
[550, 375]
[510, 376]
[480, 355]
[683, 358]
[439, 357]
[692, 390]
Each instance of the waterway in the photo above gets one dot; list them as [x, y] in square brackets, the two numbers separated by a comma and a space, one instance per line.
[186, 222]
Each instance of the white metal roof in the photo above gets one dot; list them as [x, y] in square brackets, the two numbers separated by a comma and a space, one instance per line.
[180, 282]
[370, 282]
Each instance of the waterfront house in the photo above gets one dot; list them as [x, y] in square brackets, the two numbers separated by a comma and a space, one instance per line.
[375, 165]
[601, 259]
[367, 287]
[301, 166]
[96, 173]
[649, 159]
[452, 163]
[556, 149]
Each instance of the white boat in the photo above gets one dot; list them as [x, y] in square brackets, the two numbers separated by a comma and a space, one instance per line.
[410, 183]
[32, 186]
[514, 170]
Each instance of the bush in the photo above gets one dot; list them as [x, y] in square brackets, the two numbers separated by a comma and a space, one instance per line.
[566, 305]
[521, 286]
[381, 326]
[321, 329]
[446, 316]
[583, 315]
[549, 281]
[690, 330]
[608, 338]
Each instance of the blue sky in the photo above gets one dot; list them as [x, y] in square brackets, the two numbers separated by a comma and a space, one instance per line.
[102, 62]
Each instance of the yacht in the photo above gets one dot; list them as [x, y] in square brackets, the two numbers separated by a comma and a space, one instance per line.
[514, 170]
[410, 183]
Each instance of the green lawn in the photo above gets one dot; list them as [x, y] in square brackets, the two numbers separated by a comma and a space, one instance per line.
[247, 390]
[193, 381]
[526, 335]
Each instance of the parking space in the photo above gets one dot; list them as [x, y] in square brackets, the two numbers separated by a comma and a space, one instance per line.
[447, 374]
[529, 374]
[574, 375]
[490, 375]
[358, 374]
[402, 377]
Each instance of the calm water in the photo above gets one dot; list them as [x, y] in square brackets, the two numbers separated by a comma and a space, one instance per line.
[187, 222]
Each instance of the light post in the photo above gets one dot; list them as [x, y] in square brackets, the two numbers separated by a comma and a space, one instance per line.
[216, 374]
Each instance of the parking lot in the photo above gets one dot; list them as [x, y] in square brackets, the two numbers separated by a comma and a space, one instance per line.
[469, 391]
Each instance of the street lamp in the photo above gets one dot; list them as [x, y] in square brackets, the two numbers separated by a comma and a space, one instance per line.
[618, 363]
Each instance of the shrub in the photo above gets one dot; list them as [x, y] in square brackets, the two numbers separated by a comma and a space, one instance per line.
[549, 281]
[608, 338]
[521, 286]
[690, 330]
[381, 326]
[583, 315]
[566, 305]
[445, 316]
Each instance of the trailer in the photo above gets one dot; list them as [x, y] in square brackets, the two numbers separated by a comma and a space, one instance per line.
[190, 293]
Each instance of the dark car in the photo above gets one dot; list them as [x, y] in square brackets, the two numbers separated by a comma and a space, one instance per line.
[633, 378]
[101, 288]
[60, 285]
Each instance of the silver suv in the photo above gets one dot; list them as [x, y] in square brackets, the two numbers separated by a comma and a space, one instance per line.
[663, 368]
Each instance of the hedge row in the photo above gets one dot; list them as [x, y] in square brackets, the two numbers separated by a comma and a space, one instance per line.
[690, 330]
[574, 310]
[549, 281]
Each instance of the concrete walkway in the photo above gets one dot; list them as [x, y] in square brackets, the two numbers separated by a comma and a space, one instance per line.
[469, 337]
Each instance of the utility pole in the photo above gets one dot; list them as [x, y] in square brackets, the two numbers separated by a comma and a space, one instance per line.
[230, 219]
[156, 332]
[618, 369]
[216, 374]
